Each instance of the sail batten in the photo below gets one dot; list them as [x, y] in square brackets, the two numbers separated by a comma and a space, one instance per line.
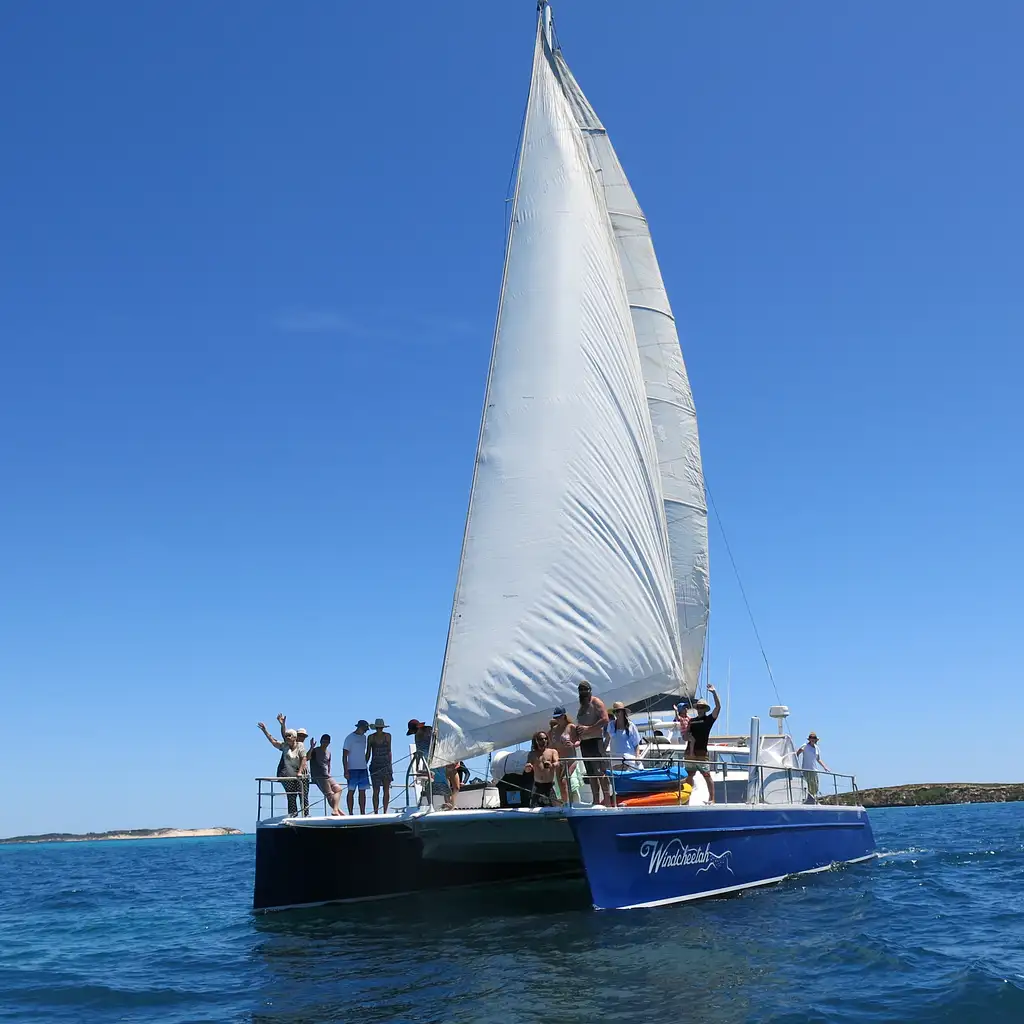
[566, 569]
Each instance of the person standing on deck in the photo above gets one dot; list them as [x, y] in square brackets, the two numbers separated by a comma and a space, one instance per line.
[436, 780]
[700, 731]
[623, 737]
[562, 735]
[591, 723]
[290, 766]
[353, 757]
[320, 773]
[381, 774]
[301, 736]
[809, 759]
[542, 763]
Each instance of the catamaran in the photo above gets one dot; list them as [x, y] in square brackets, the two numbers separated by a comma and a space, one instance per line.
[585, 557]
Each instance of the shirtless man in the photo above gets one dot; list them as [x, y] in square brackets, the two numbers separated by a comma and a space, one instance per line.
[542, 763]
[591, 721]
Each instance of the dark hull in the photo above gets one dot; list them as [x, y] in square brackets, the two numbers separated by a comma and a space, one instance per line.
[304, 866]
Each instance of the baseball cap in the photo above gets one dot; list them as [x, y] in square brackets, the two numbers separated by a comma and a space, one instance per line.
[414, 724]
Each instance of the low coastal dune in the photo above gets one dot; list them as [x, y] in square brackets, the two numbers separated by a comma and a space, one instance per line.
[134, 833]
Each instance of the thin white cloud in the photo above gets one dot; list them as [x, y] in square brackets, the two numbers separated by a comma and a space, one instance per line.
[430, 328]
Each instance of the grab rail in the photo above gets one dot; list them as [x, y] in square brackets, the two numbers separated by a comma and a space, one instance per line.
[798, 782]
[267, 791]
[760, 781]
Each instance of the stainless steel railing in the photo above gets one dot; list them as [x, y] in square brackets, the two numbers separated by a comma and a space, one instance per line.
[761, 783]
[301, 796]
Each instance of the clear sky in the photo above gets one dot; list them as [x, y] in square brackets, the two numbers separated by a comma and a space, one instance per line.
[249, 262]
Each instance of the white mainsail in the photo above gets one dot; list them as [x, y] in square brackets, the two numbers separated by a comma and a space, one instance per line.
[566, 570]
[669, 397]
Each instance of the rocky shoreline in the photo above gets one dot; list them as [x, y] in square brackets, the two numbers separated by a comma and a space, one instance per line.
[133, 833]
[921, 794]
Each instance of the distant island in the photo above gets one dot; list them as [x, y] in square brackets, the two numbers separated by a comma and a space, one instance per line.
[920, 794]
[132, 833]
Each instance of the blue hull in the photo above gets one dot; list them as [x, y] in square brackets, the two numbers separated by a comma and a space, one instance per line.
[648, 856]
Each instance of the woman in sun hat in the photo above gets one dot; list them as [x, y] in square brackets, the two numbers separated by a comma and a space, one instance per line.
[378, 745]
[624, 737]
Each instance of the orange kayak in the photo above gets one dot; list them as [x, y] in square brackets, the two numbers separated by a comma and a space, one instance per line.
[657, 799]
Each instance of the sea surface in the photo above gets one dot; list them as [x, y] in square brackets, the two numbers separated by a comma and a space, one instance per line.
[160, 930]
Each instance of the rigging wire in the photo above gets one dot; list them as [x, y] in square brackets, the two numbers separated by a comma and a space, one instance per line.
[743, 591]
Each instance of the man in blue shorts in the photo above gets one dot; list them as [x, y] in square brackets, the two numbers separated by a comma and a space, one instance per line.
[353, 759]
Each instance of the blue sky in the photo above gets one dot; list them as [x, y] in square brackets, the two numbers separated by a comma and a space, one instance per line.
[249, 264]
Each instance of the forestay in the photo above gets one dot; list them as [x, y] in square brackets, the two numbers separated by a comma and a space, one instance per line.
[669, 397]
[565, 572]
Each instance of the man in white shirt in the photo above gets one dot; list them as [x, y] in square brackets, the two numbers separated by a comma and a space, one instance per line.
[353, 759]
[808, 758]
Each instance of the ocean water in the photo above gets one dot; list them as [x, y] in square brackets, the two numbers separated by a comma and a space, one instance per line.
[161, 930]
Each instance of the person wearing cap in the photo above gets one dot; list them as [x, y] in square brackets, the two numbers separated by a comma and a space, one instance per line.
[591, 722]
[439, 778]
[381, 774]
[354, 754]
[700, 732]
[809, 759]
[291, 764]
[422, 735]
[563, 736]
[623, 736]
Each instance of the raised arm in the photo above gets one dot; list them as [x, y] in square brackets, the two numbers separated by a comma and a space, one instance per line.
[263, 729]
[282, 719]
[718, 703]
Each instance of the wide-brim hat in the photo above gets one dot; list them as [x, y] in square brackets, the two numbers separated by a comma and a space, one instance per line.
[702, 703]
[301, 732]
[619, 706]
[378, 723]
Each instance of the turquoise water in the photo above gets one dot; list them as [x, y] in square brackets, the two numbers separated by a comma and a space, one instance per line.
[160, 930]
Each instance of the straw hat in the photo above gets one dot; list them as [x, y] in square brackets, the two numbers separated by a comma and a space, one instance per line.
[619, 706]
[378, 723]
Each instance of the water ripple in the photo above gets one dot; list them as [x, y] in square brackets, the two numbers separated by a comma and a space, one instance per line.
[931, 932]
